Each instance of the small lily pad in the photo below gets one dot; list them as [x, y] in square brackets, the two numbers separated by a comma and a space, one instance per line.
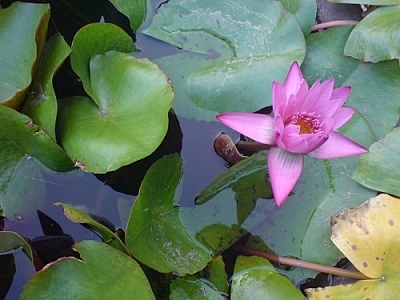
[113, 129]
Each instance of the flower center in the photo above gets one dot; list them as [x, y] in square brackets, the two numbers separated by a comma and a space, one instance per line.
[309, 123]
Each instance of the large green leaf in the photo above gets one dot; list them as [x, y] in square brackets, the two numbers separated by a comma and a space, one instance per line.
[23, 28]
[96, 38]
[103, 273]
[12, 241]
[19, 136]
[245, 46]
[374, 39]
[255, 278]
[381, 163]
[155, 233]
[135, 10]
[378, 102]
[41, 102]
[127, 119]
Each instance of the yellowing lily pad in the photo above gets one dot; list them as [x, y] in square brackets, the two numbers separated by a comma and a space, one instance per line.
[369, 236]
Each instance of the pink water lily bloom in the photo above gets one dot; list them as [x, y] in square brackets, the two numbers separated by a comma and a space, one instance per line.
[304, 122]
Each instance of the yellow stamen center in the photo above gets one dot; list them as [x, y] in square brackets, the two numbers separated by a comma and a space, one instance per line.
[309, 123]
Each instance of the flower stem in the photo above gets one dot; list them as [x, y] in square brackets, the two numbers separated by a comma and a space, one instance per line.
[333, 24]
[244, 146]
[303, 264]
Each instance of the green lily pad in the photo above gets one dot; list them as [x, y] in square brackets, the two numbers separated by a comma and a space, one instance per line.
[255, 278]
[193, 288]
[134, 10]
[378, 164]
[372, 39]
[241, 44]
[19, 136]
[216, 273]
[103, 273]
[114, 130]
[96, 38]
[369, 237]
[41, 102]
[18, 56]
[108, 237]
[155, 233]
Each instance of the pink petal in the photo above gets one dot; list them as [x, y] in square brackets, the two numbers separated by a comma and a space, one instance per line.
[259, 127]
[284, 170]
[336, 146]
[341, 93]
[293, 80]
[279, 99]
[342, 116]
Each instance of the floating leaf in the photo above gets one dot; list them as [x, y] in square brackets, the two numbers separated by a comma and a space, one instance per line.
[19, 136]
[97, 276]
[109, 237]
[243, 52]
[114, 130]
[369, 237]
[255, 278]
[378, 164]
[23, 28]
[134, 10]
[305, 11]
[12, 241]
[96, 38]
[155, 234]
[372, 40]
[41, 102]
[191, 287]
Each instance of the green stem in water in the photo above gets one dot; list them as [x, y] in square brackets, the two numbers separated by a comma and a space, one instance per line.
[303, 264]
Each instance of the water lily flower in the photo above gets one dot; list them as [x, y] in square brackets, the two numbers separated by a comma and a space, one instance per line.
[304, 122]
